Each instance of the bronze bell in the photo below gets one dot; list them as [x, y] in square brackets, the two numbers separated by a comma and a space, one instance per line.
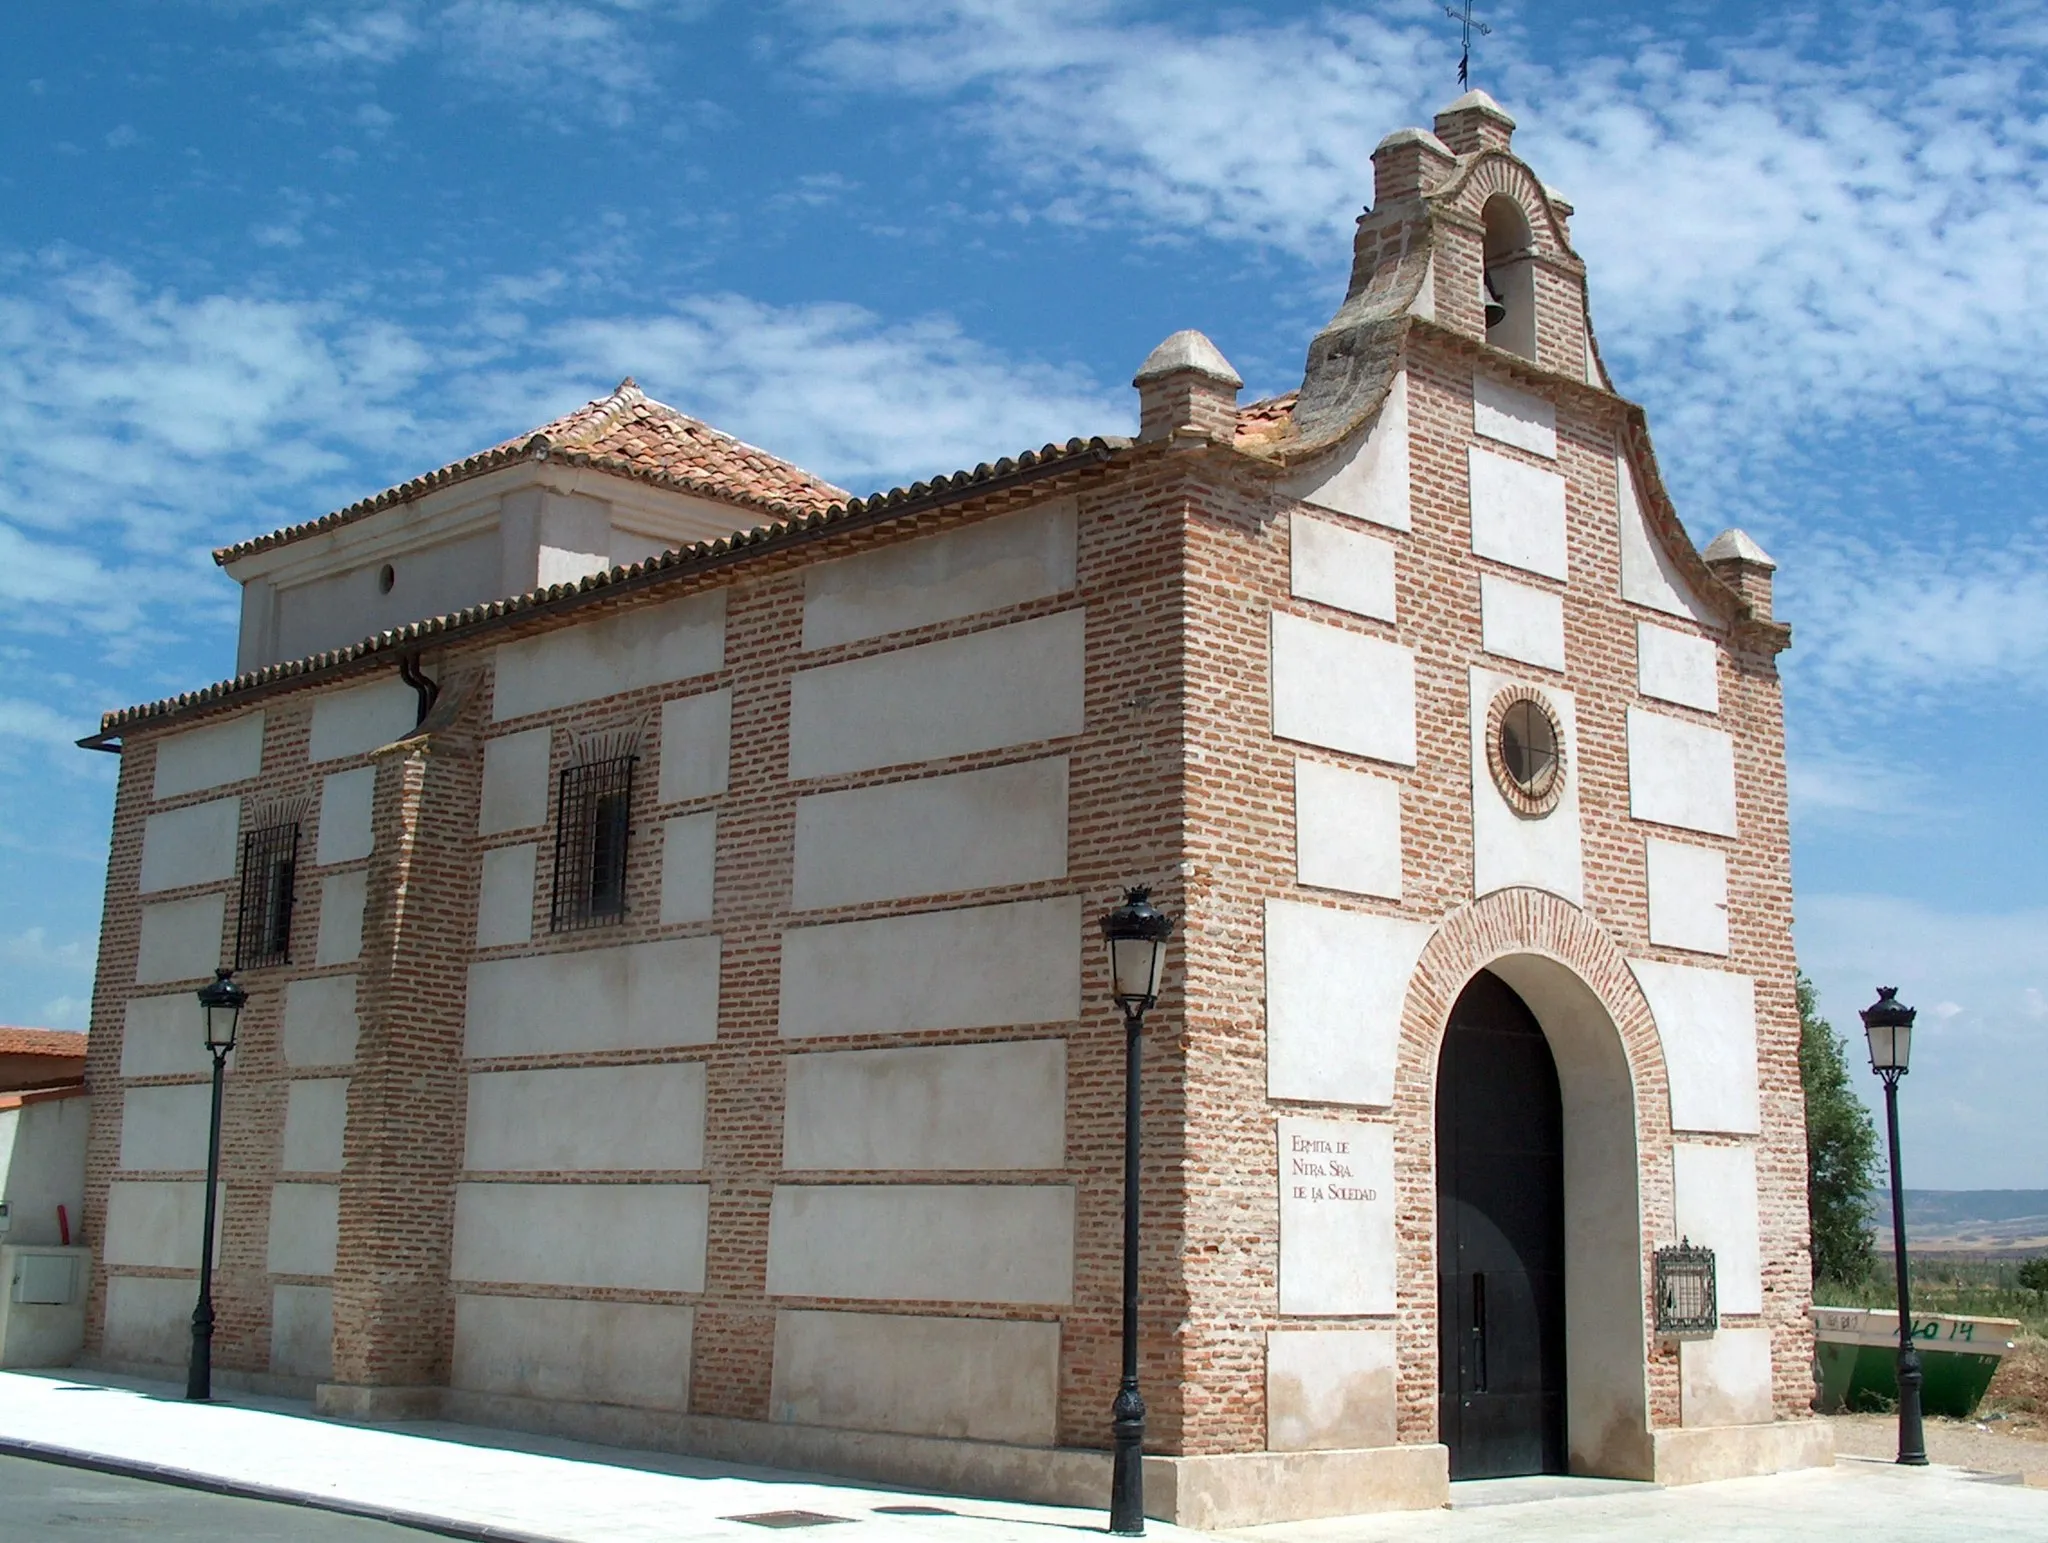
[1496, 308]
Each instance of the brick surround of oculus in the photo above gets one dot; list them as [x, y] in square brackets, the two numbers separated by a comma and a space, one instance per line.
[689, 1028]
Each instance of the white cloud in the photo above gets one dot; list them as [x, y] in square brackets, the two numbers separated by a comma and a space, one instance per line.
[371, 36]
[1978, 980]
[549, 55]
[841, 391]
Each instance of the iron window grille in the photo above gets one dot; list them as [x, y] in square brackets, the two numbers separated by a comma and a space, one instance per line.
[1687, 1302]
[263, 916]
[592, 834]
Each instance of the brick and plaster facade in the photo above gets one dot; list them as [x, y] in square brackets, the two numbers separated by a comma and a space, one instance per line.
[812, 1154]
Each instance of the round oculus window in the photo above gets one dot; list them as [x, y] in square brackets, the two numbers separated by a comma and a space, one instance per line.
[386, 577]
[1525, 751]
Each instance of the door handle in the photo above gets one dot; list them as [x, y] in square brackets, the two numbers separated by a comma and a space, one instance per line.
[1478, 1332]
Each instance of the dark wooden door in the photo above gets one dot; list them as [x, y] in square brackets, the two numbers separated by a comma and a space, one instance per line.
[1500, 1239]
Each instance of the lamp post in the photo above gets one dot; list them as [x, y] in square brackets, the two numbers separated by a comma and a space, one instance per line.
[1136, 935]
[1888, 1024]
[222, 1001]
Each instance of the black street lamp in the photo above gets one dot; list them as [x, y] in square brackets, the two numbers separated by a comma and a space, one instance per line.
[222, 1001]
[1888, 1024]
[1136, 935]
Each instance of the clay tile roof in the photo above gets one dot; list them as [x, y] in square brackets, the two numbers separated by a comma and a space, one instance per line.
[627, 433]
[65, 1042]
[1263, 422]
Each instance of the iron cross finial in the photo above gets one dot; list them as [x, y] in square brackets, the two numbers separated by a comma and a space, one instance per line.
[1467, 26]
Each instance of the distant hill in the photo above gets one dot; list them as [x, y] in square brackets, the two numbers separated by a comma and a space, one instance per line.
[1967, 1220]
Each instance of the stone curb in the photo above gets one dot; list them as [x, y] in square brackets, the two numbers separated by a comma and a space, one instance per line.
[213, 1484]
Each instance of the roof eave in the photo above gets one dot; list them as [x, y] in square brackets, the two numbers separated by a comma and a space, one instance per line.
[1051, 463]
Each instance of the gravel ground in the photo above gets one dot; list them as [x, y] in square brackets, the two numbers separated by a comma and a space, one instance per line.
[1988, 1447]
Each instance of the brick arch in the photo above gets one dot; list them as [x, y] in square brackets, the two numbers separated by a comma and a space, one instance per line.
[1499, 173]
[1581, 989]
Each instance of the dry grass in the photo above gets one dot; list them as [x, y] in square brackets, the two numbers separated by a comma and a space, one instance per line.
[2020, 1390]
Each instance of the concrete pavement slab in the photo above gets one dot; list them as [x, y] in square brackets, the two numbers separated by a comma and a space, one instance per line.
[467, 1482]
[1853, 1502]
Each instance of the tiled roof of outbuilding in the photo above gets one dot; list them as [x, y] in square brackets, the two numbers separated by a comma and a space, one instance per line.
[64, 1042]
[627, 433]
[1032, 466]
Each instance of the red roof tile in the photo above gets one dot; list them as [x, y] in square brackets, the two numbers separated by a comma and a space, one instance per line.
[64, 1042]
[627, 433]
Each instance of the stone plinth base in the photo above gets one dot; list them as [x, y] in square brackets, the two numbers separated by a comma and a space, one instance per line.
[1229, 1490]
[1705, 1453]
[350, 1401]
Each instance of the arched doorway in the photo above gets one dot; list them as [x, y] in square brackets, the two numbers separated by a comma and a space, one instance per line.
[1500, 1239]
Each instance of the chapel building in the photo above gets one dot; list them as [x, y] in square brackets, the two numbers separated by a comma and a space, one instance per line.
[666, 889]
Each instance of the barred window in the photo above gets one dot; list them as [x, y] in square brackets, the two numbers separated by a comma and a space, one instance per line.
[591, 835]
[263, 918]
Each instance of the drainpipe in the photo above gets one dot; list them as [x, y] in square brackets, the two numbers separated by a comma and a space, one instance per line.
[409, 672]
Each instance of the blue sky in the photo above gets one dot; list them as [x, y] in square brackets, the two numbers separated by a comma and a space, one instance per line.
[258, 259]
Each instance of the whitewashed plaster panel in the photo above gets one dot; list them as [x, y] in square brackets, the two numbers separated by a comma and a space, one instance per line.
[1726, 1380]
[163, 1036]
[1518, 514]
[1329, 1389]
[1514, 417]
[1336, 1218]
[689, 866]
[515, 785]
[180, 939]
[696, 745]
[975, 967]
[305, 1229]
[1367, 477]
[922, 1242]
[504, 895]
[1680, 773]
[302, 1331]
[1715, 1189]
[927, 1107]
[1347, 830]
[971, 1379]
[1343, 690]
[644, 1237]
[646, 646]
[980, 567]
[347, 801]
[157, 1222]
[320, 1021]
[210, 757]
[1011, 685]
[587, 1119]
[1510, 849]
[1678, 667]
[342, 898]
[642, 996]
[315, 1122]
[1337, 564]
[1648, 575]
[1336, 982]
[636, 1354]
[192, 845]
[1706, 1023]
[1519, 621]
[165, 1128]
[934, 835]
[361, 718]
[149, 1319]
[1688, 896]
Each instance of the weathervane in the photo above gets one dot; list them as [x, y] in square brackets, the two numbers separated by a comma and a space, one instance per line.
[1467, 27]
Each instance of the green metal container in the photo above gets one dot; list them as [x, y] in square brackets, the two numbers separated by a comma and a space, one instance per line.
[1856, 1350]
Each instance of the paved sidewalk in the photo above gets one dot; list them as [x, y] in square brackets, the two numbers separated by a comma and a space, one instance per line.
[477, 1483]
[473, 1483]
